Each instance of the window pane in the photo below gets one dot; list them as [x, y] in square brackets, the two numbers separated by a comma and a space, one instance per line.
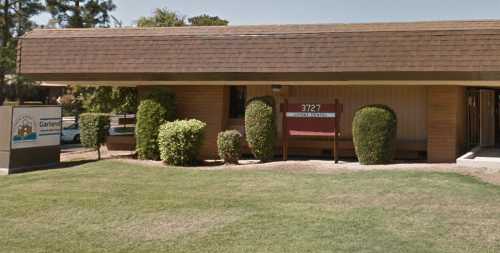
[237, 102]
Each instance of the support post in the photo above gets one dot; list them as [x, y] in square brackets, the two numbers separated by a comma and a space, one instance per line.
[284, 130]
[335, 129]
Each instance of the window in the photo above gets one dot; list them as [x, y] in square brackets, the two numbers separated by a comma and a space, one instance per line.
[237, 100]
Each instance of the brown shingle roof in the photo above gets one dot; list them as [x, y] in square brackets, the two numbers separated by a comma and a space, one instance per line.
[449, 46]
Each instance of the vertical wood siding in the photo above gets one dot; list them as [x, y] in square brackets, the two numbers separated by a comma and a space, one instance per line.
[446, 108]
[205, 103]
[409, 103]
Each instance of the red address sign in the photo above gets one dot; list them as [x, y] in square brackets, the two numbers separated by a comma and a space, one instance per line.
[310, 119]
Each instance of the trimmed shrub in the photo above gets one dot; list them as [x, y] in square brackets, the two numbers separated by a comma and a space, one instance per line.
[374, 131]
[93, 130]
[229, 146]
[260, 127]
[157, 107]
[180, 141]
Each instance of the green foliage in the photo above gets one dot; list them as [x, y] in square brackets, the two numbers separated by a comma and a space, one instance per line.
[180, 141]
[125, 100]
[15, 20]
[98, 99]
[260, 127]
[81, 13]
[15, 17]
[106, 99]
[156, 108]
[206, 20]
[162, 17]
[72, 101]
[229, 146]
[374, 130]
[93, 130]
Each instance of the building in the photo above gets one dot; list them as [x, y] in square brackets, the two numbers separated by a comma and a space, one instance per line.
[439, 77]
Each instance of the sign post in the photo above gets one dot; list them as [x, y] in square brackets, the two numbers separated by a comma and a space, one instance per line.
[311, 120]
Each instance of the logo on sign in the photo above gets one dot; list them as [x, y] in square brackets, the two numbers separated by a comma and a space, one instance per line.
[25, 129]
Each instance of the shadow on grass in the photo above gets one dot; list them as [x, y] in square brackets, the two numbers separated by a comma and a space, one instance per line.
[60, 166]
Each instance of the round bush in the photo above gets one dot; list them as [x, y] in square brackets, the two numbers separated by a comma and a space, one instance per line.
[260, 127]
[229, 146]
[155, 109]
[180, 141]
[374, 131]
[93, 130]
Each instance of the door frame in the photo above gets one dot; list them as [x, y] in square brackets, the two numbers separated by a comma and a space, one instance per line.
[487, 117]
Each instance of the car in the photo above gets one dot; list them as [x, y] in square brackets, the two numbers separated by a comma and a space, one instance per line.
[71, 133]
[121, 130]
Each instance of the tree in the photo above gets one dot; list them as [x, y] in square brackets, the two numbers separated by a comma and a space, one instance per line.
[93, 129]
[15, 20]
[98, 100]
[125, 100]
[162, 17]
[206, 20]
[81, 13]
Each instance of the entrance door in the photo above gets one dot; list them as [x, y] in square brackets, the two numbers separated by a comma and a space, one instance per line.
[487, 118]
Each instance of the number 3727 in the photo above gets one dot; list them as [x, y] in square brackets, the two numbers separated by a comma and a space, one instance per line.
[311, 108]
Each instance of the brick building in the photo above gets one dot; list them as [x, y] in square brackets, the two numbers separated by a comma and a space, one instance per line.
[439, 77]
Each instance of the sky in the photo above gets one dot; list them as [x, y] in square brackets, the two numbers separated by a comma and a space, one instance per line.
[253, 12]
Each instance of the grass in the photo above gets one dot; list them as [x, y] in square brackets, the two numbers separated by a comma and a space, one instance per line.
[110, 206]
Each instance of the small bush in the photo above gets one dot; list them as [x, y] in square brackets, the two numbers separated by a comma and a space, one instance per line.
[156, 108]
[260, 127]
[374, 131]
[93, 130]
[229, 146]
[180, 141]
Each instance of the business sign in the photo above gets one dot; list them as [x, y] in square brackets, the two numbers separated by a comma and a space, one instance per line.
[311, 120]
[36, 127]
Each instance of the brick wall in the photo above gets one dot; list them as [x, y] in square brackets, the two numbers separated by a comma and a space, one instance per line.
[445, 119]
[205, 103]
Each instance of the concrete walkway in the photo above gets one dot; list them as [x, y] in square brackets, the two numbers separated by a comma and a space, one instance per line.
[481, 158]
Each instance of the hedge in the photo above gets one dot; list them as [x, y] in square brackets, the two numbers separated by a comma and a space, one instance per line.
[260, 127]
[93, 130]
[229, 146]
[156, 108]
[374, 131]
[180, 141]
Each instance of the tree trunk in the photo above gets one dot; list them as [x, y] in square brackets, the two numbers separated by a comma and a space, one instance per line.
[99, 152]
[5, 39]
[78, 23]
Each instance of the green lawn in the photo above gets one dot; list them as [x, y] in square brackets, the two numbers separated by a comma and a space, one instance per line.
[116, 207]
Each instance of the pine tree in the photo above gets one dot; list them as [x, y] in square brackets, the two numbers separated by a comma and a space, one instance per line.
[81, 13]
[15, 20]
